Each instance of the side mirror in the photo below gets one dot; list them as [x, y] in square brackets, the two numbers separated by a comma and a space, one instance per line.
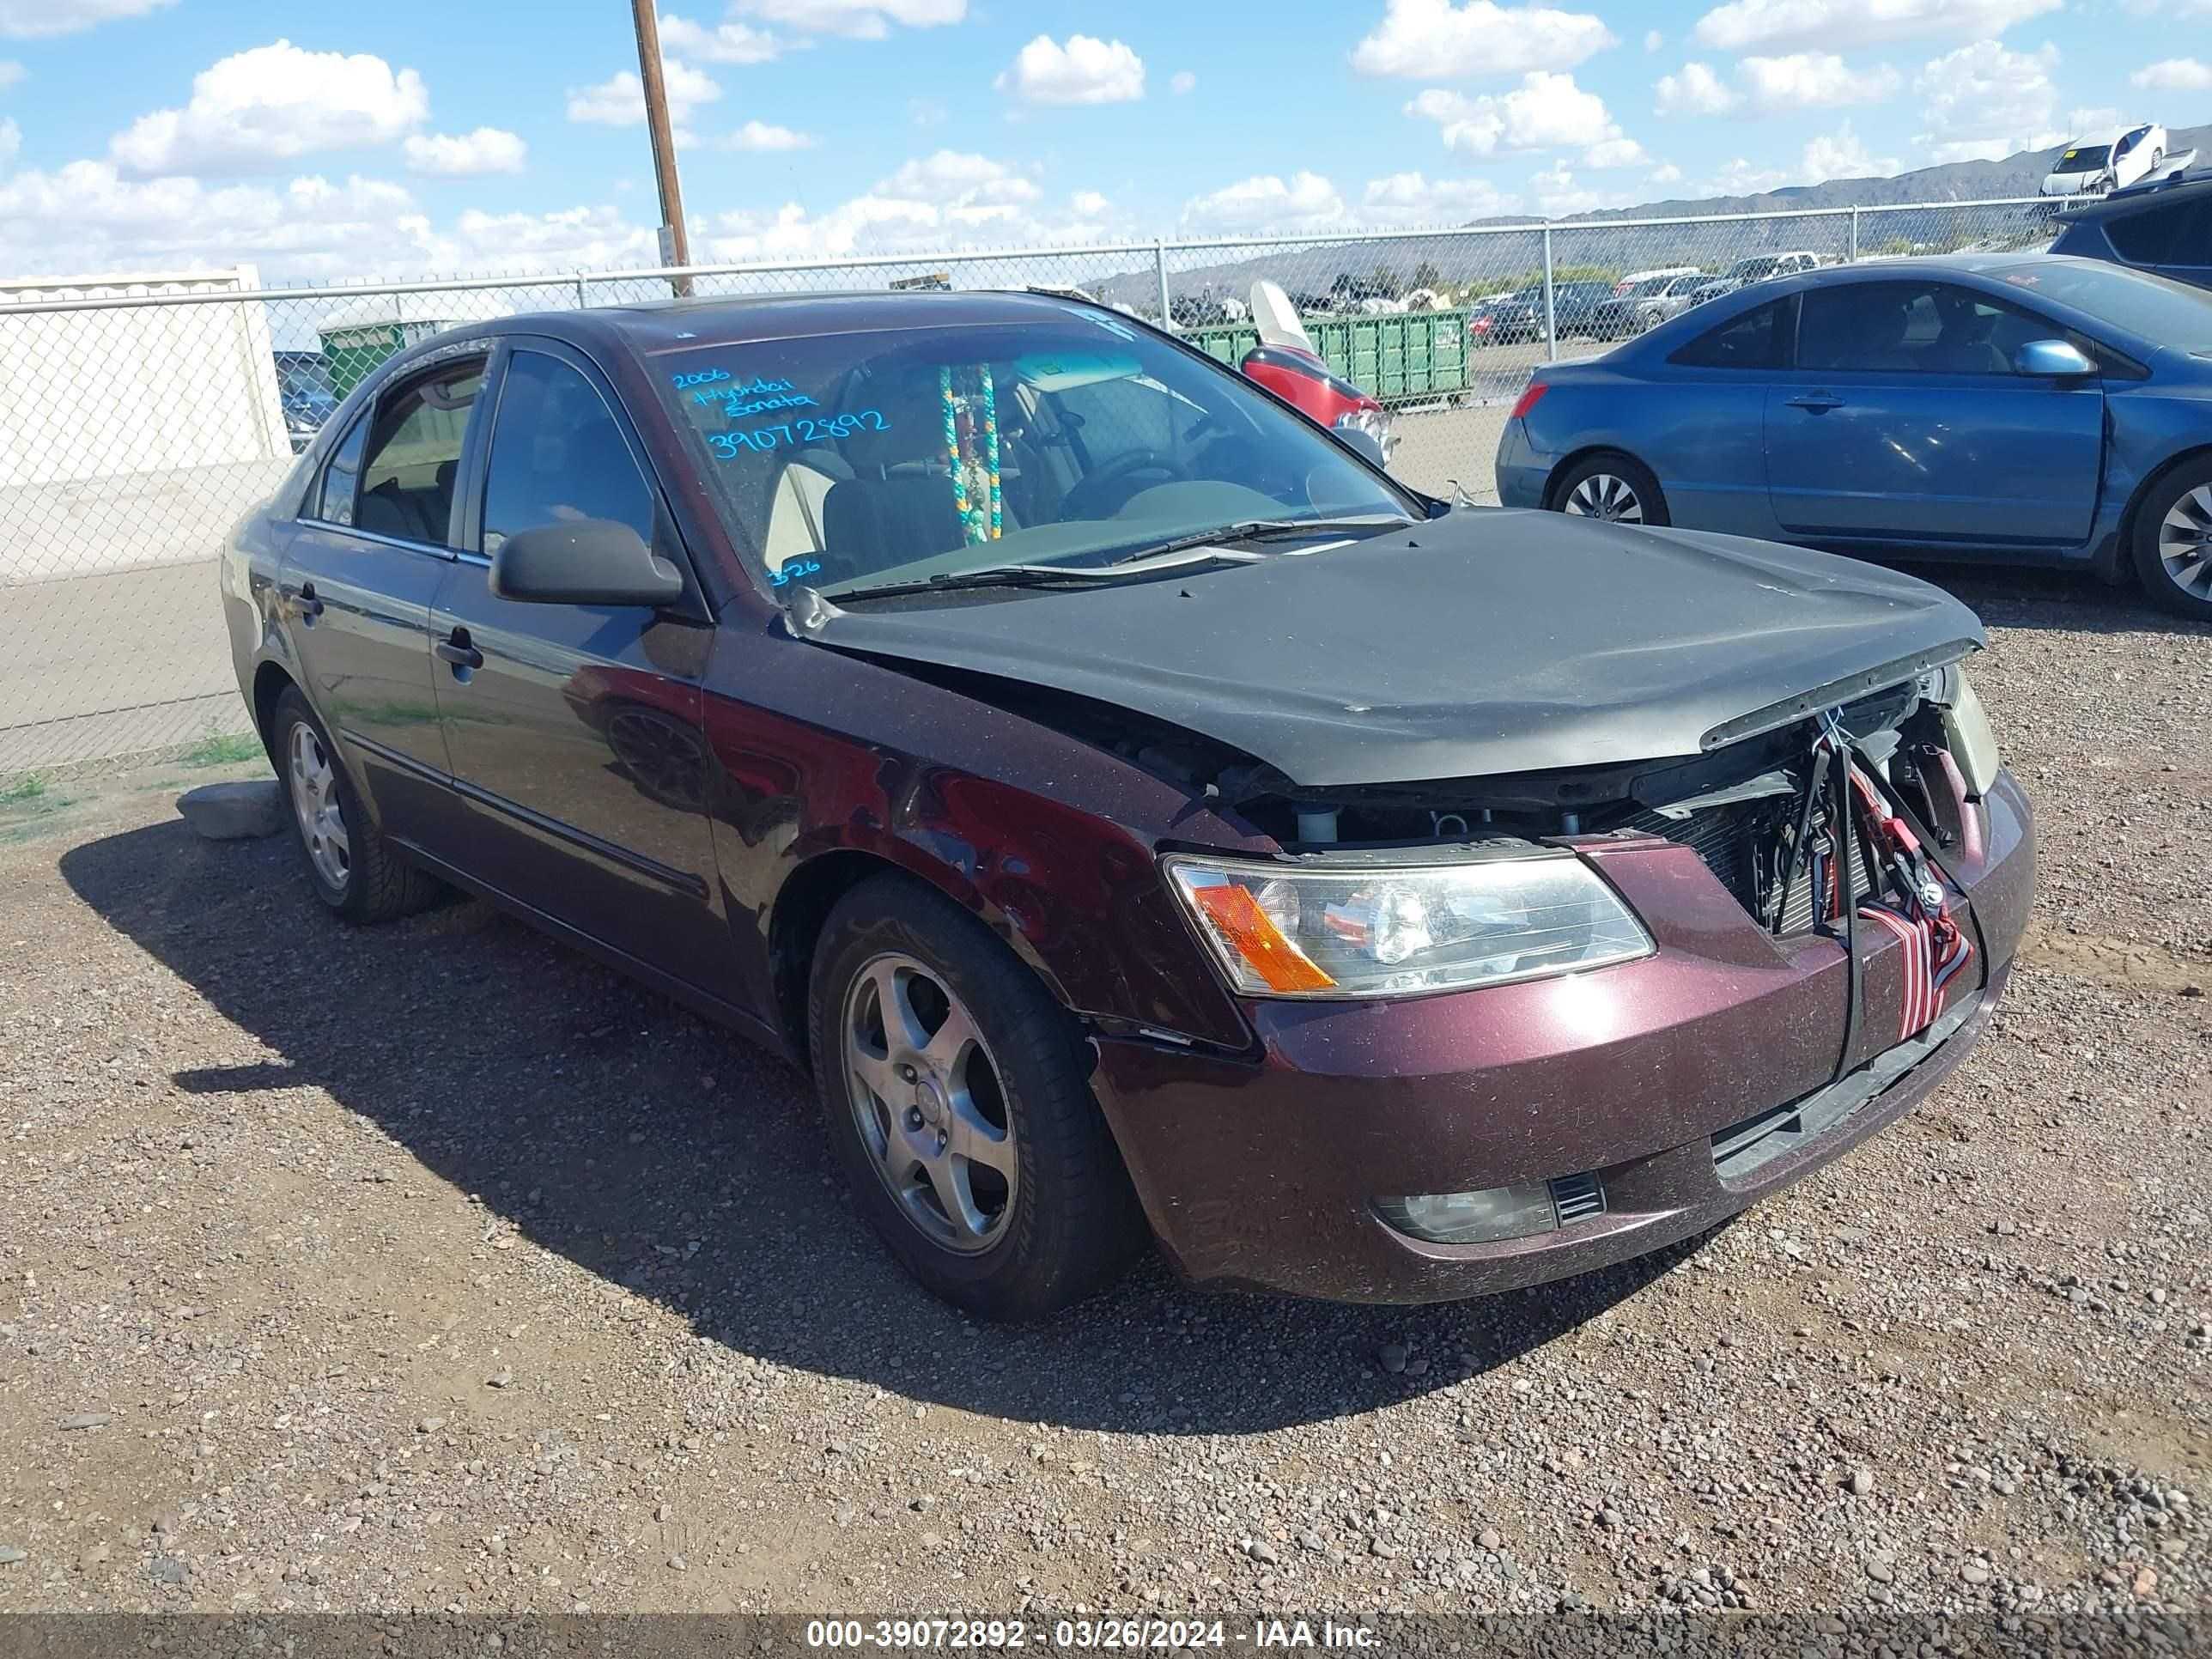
[583, 561]
[2051, 360]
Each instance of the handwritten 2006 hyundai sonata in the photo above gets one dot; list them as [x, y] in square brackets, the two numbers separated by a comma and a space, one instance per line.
[1131, 806]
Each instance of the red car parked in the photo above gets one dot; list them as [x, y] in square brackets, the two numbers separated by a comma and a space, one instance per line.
[1135, 809]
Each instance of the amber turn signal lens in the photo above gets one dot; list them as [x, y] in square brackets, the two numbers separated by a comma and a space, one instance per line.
[1237, 918]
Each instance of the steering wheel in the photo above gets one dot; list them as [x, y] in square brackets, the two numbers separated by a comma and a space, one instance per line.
[1077, 504]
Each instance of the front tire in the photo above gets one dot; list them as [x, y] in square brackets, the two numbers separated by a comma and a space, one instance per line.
[953, 1090]
[2172, 540]
[355, 871]
[1613, 486]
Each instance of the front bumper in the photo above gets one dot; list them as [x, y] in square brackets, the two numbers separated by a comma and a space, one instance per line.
[1264, 1172]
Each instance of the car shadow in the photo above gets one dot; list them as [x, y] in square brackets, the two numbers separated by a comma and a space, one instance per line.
[606, 1123]
[2069, 600]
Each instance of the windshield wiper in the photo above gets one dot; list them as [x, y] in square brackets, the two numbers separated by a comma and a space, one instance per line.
[1010, 575]
[1258, 530]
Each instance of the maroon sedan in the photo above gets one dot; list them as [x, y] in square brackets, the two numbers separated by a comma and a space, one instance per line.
[1134, 810]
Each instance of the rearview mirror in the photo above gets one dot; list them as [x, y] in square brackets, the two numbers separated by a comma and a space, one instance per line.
[583, 561]
[2051, 360]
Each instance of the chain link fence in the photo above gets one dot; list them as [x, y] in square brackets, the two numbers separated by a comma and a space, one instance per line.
[140, 415]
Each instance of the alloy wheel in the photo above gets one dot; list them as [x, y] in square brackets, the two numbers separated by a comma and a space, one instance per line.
[2184, 542]
[314, 790]
[928, 1104]
[1602, 496]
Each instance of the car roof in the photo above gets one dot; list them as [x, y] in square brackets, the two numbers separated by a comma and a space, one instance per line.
[652, 326]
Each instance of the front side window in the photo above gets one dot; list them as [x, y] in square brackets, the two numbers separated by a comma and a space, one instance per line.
[888, 455]
[414, 454]
[1914, 328]
[341, 477]
[1755, 339]
[558, 455]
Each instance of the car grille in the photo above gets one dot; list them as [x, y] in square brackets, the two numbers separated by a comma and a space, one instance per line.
[1731, 838]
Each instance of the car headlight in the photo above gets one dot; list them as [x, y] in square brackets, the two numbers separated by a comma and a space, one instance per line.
[1967, 733]
[1384, 930]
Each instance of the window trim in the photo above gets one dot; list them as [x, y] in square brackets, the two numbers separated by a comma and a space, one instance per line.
[403, 382]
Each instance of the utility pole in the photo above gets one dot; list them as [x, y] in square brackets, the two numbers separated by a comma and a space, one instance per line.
[675, 240]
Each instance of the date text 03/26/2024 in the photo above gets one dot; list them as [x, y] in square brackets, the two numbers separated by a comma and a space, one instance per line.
[1136, 1635]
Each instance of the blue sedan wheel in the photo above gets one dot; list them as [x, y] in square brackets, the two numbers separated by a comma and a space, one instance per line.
[2173, 540]
[1611, 487]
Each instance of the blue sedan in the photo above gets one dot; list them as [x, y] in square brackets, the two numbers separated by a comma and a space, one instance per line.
[2021, 407]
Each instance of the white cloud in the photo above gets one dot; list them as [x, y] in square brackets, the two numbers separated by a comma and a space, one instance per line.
[1842, 155]
[1558, 196]
[1183, 81]
[10, 73]
[857, 19]
[1814, 80]
[619, 101]
[1426, 40]
[1849, 23]
[1086, 70]
[1983, 102]
[1653, 39]
[949, 199]
[730, 42]
[1544, 112]
[763, 136]
[1741, 176]
[1666, 173]
[31, 19]
[2175, 74]
[467, 154]
[1693, 90]
[274, 104]
[1305, 201]
[11, 140]
[1409, 198]
[1775, 86]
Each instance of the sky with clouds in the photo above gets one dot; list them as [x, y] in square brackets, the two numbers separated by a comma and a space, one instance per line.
[423, 136]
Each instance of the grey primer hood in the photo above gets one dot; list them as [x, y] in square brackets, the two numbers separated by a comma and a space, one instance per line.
[1485, 642]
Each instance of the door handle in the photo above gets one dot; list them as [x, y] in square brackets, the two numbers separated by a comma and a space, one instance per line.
[1815, 402]
[455, 649]
[304, 606]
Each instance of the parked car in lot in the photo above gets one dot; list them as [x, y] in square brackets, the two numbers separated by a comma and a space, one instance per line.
[1129, 805]
[2024, 409]
[1645, 304]
[1758, 268]
[2111, 161]
[2164, 227]
[1520, 316]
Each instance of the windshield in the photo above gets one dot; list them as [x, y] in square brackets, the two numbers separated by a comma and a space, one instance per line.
[2086, 159]
[2160, 310]
[890, 456]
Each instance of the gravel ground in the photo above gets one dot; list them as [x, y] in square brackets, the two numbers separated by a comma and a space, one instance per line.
[433, 1267]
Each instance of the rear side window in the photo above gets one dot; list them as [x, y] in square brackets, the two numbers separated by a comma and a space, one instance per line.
[414, 454]
[1757, 339]
[2175, 234]
[558, 456]
[341, 477]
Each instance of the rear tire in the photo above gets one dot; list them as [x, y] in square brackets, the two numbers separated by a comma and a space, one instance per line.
[954, 1092]
[354, 870]
[2172, 540]
[1613, 487]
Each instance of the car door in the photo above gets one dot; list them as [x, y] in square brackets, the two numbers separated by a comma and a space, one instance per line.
[373, 544]
[1696, 422]
[1902, 420]
[574, 730]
